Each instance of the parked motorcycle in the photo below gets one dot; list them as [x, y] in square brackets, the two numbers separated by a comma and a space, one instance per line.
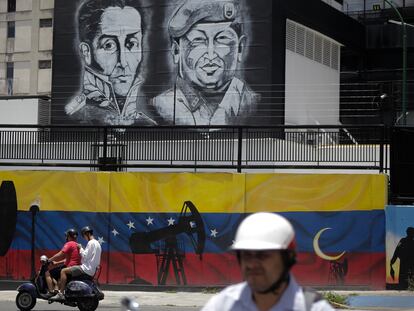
[82, 292]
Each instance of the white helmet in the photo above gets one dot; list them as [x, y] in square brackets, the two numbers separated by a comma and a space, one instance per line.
[264, 231]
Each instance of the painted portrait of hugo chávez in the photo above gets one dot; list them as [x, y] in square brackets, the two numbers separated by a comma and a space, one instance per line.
[207, 46]
[110, 37]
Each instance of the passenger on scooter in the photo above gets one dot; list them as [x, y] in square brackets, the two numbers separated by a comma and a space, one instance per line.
[68, 256]
[91, 258]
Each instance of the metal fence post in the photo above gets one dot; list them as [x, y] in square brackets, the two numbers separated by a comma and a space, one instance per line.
[239, 148]
[381, 151]
[105, 145]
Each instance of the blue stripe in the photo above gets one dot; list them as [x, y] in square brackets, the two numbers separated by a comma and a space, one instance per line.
[352, 231]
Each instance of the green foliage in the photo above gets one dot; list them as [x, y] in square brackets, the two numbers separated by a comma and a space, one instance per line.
[211, 290]
[335, 299]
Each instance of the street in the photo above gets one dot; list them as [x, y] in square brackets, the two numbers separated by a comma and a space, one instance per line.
[149, 301]
[192, 301]
[44, 306]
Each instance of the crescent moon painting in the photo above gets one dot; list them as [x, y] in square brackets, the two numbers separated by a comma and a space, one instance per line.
[318, 250]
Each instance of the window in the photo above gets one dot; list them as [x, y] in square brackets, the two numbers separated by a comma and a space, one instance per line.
[45, 64]
[11, 5]
[45, 22]
[9, 78]
[11, 29]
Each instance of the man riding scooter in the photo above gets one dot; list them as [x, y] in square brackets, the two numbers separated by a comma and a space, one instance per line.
[68, 256]
[91, 258]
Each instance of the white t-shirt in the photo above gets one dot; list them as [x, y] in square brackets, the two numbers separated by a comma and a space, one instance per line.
[91, 257]
[239, 298]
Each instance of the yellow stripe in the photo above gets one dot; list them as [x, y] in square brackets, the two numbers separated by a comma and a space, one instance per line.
[166, 192]
[210, 192]
[315, 192]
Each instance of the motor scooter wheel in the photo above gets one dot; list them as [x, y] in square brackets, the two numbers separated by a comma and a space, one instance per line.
[25, 301]
[90, 304]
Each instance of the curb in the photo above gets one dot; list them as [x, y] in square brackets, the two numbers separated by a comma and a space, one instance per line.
[13, 284]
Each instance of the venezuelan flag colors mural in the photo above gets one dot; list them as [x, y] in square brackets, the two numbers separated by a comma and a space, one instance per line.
[176, 228]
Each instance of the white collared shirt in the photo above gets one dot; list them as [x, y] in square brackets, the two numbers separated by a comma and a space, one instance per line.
[91, 257]
[239, 298]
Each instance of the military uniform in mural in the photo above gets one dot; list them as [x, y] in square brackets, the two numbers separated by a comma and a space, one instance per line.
[207, 46]
[98, 103]
[191, 107]
[110, 46]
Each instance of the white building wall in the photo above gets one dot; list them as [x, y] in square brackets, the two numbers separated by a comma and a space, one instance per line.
[47, 4]
[30, 45]
[19, 111]
[45, 39]
[3, 6]
[3, 35]
[23, 39]
[24, 5]
[44, 78]
[22, 73]
[311, 78]
[3, 78]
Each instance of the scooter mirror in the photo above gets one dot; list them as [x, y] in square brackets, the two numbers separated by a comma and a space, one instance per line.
[129, 304]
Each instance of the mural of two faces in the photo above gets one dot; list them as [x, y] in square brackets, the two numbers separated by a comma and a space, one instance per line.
[160, 62]
[176, 228]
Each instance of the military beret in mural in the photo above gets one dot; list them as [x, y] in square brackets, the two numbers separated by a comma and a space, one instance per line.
[194, 11]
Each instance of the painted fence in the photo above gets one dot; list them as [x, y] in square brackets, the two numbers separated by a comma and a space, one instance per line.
[175, 228]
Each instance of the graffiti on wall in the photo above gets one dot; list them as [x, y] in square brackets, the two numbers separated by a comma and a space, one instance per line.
[181, 62]
[176, 228]
[400, 246]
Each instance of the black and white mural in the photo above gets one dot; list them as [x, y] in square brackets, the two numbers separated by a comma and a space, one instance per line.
[161, 62]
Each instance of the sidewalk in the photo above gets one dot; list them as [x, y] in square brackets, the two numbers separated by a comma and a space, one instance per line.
[113, 298]
[176, 297]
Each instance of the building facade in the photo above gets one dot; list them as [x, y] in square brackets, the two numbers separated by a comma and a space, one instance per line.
[26, 27]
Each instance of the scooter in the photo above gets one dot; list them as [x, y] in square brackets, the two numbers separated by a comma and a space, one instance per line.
[82, 292]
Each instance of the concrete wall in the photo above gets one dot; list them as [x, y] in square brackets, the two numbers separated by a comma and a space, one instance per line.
[19, 111]
[30, 44]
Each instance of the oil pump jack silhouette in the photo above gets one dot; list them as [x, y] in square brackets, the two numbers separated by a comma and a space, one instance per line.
[171, 251]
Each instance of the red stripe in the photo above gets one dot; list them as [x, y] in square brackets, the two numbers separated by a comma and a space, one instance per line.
[364, 269]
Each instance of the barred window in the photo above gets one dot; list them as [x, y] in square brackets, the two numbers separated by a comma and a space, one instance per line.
[45, 64]
[45, 22]
[11, 29]
[11, 5]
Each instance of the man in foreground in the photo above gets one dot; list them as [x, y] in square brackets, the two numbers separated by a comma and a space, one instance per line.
[265, 248]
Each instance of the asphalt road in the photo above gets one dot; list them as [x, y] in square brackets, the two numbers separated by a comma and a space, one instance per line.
[44, 306]
[192, 301]
[149, 301]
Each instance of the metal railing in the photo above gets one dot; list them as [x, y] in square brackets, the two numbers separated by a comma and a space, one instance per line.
[180, 147]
